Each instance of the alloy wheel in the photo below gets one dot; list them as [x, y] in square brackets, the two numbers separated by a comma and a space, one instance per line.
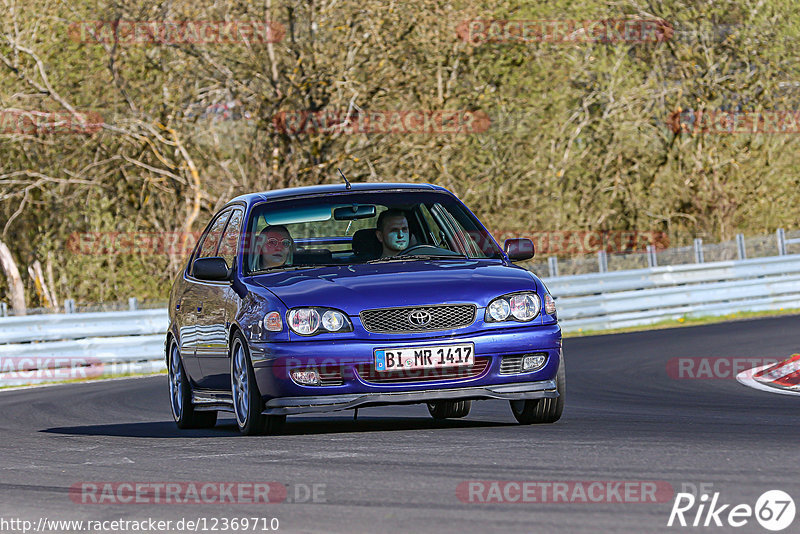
[176, 383]
[241, 386]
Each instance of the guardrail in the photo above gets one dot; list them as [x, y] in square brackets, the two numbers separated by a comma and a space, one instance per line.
[47, 348]
[594, 253]
[104, 343]
[637, 297]
[80, 325]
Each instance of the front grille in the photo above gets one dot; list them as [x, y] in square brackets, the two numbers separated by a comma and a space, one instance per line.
[331, 377]
[512, 365]
[396, 320]
[368, 373]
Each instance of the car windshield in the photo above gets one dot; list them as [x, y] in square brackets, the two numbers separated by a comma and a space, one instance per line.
[363, 227]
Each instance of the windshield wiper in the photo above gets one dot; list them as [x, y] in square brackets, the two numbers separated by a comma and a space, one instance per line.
[293, 268]
[416, 257]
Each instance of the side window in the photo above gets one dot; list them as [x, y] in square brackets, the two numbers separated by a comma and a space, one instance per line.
[230, 239]
[208, 247]
[433, 234]
[464, 236]
[449, 229]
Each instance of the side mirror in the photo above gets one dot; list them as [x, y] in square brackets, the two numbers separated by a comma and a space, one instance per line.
[519, 249]
[211, 269]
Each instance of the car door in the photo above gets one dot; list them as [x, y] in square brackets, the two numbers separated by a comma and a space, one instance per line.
[219, 309]
[201, 294]
[185, 318]
[187, 298]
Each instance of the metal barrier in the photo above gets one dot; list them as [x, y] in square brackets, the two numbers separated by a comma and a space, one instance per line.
[38, 349]
[596, 252]
[132, 341]
[620, 299]
[80, 325]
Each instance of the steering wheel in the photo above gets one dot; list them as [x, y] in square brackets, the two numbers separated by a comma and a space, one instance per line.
[418, 248]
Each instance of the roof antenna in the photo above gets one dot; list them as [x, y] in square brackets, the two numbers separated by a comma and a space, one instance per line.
[344, 178]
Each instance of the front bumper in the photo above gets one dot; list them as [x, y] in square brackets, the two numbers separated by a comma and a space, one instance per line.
[272, 363]
[332, 403]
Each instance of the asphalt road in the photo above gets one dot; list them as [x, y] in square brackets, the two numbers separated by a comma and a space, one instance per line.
[396, 469]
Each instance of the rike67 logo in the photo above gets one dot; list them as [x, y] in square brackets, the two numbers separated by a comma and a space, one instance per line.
[774, 510]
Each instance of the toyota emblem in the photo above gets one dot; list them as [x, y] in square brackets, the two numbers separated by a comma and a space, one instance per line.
[419, 317]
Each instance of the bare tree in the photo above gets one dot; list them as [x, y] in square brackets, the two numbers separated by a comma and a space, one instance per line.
[16, 290]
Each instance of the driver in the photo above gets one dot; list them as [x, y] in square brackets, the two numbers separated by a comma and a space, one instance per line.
[392, 232]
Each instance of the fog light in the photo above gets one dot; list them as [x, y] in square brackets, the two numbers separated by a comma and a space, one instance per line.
[531, 362]
[306, 377]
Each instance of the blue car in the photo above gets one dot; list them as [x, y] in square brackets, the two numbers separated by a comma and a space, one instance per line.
[336, 297]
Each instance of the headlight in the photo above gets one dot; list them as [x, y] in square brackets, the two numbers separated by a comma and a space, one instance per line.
[312, 321]
[521, 307]
[499, 310]
[332, 320]
[524, 307]
[304, 321]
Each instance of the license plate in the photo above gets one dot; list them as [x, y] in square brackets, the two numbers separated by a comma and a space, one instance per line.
[431, 357]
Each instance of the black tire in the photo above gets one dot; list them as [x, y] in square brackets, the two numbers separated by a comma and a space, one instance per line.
[542, 411]
[449, 409]
[180, 392]
[249, 419]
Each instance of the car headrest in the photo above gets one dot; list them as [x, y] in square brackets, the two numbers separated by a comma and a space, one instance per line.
[317, 256]
[366, 244]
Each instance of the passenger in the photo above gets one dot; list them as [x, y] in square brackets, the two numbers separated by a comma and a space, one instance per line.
[392, 232]
[275, 247]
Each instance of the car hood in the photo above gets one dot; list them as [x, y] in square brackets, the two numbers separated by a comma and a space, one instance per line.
[353, 288]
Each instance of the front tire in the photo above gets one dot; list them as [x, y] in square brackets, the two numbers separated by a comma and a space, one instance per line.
[180, 393]
[542, 411]
[449, 409]
[247, 402]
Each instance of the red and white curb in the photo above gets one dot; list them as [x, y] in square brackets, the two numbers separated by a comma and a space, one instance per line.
[782, 377]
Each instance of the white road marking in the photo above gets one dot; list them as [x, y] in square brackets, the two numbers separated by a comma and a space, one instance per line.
[746, 378]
